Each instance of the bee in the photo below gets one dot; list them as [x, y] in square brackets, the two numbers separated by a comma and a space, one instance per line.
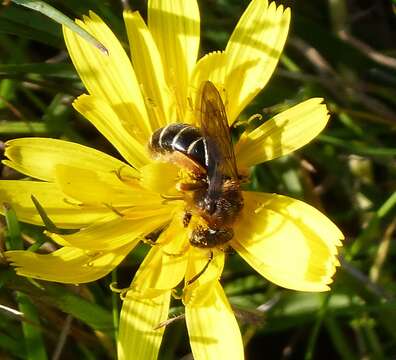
[207, 152]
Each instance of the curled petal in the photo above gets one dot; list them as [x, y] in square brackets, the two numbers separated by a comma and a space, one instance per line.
[287, 241]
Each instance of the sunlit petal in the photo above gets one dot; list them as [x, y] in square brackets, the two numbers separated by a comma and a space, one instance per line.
[212, 327]
[211, 67]
[175, 26]
[67, 265]
[165, 265]
[64, 212]
[138, 336]
[284, 133]
[253, 51]
[201, 274]
[149, 70]
[159, 177]
[114, 233]
[114, 128]
[38, 157]
[109, 77]
[102, 188]
[287, 241]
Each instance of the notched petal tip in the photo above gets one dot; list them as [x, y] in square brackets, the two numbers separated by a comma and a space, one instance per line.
[287, 241]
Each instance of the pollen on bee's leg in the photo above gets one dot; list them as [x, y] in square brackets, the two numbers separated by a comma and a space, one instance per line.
[186, 218]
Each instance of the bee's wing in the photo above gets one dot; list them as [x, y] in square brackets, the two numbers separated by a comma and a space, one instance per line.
[214, 127]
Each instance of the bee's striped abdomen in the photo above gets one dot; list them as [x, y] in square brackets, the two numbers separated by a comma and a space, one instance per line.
[184, 138]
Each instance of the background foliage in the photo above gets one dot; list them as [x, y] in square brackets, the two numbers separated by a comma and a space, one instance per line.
[343, 50]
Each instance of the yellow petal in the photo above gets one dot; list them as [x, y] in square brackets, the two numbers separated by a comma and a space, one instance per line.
[159, 177]
[175, 26]
[116, 129]
[60, 209]
[165, 265]
[102, 188]
[149, 70]
[253, 52]
[284, 133]
[114, 233]
[212, 328]
[67, 265]
[287, 241]
[138, 337]
[109, 77]
[38, 157]
[210, 67]
[208, 272]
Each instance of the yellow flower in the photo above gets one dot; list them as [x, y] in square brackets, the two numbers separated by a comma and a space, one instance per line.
[115, 204]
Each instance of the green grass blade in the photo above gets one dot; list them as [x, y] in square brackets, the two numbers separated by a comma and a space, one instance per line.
[338, 339]
[31, 329]
[22, 127]
[309, 354]
[13, 237]
[48, 70]
[13, 28]
[44, 217]
[88, 312]
[57, 16]
[12, 346]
